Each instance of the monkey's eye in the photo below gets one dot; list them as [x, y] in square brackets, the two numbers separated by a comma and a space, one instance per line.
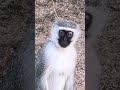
[61, 33]
[69, 34]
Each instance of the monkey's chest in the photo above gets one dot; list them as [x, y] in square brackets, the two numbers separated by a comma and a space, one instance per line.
[62, 62]
[62, 66]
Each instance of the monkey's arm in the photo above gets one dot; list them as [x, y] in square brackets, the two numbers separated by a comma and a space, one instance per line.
[41, 74]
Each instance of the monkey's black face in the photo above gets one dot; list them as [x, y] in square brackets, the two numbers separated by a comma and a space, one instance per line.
[64, 38]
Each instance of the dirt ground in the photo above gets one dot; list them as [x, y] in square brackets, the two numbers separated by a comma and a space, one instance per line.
[45, 13]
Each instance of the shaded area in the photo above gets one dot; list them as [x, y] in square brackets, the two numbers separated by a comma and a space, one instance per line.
[105, 40]
[17, 26]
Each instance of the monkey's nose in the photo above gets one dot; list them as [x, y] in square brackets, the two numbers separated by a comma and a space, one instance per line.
[65, 39]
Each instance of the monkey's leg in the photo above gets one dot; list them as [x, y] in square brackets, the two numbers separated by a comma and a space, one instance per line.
[69, 83]
[57, 81]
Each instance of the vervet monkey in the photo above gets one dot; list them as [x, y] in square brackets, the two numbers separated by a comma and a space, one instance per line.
[55, 65]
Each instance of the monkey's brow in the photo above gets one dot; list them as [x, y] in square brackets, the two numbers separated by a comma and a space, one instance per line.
[67, 24]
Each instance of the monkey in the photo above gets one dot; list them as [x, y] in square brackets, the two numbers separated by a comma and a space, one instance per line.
[55, 65]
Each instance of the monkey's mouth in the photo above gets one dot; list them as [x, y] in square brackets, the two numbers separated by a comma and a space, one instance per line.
[63, 43]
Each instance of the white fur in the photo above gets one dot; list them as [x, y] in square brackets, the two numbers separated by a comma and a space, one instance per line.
[60, 62]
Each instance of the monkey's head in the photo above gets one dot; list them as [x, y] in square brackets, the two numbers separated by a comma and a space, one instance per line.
[64, 33]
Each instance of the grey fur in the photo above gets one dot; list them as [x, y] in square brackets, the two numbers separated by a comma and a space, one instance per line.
[39, 68]
[65, 23]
